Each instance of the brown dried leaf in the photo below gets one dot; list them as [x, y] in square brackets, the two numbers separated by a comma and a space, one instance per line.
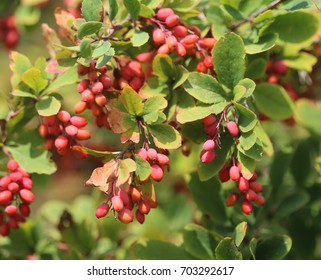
[51, 39]
[65, 21]
[103, 176]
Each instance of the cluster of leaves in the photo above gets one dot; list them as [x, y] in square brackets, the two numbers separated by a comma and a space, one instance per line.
[166, 113]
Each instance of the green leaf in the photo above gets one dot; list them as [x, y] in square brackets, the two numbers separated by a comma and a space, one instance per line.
[309, 115]
[239, 233]
[151, 109]
[247, 164]
[273, 101]
[30, 154]
[294, 27]
[67, 78]
[85, 49]
[101, 48]
[89, 28]
[247, 119]
[19, 63]
[265, 43]
[302, 61]
[165, 136]
[218, 19]
[199, 242]
[243, 89]
[227, 250]
[265, 139]
[255, 152]
[208, 199]
[158, 250]
[34, 80]
[143, 168]
[41, 64]
[131, 101]
[182, 75]
[154, 87]
[21, 93]
[48, 106]
[92, 10]
[113, 9]
[146, 11]
[274, 248]
[252, 247]
[95, 153]
[163, 67]
[247, 140]
[101, 61]
[139, 38]
[256, 69]
[4, 106]
[208, 170]
[292, 203]
[199, 112]
[204, 88]
[229, 60]
[133, 7]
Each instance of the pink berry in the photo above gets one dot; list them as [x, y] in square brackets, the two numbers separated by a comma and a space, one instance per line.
[243, 184]
[158, 36]
[61, 142]
[26, 195]
[5, 197]
[84, 84]
[232, 199]
[142, 153]
[117, 203]
[157, 173]
[232, 128]
[171, 42]
[16, 176]
[13, 187]
[80, 107]
[180, 49]
[71, 130]
[143, 207]
[172, 20]
[180, 31]
[256, 186]
[234, 173]
[63, 116]
[10, 210]
[208, 62]
[78, 121]
[125, 216]
[82, 134]
[124, 197]
[207, 43]
[82, 70]
[209, 120]
[250, 195]
[12, 165]
[145, 57]
[102, 210]
[190, 39]
[100, 100]
[4, 182]
[162, 159]
[208, 156]
[209, 145]
[135, 194]
[105, 80]
[163, 13]
[97, 87]
[163, 49]
[152, 154]
[87, 95]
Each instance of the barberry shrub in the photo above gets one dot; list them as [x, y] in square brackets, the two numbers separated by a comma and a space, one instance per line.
[196, 120]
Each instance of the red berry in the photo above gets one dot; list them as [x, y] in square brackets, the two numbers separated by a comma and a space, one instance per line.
[280, 67]
[145, 57]
[209, 120]
[102, 210]
[5, 230]
[49, 120]
[256, 186]
[71, 130]
[83, 134]
[43, 130]
[5, 197]
[260, 200]
[232, 199]
[163, 13]
[92, 75]
[12, 39]
[247, 207]
[172, 20]
[63, 116]
[80, 107]
[243, 184]
[84, 84]
[190, 39]
[207, 43]
[105, 80]
[4, 182]
[117, 203]
[16, 176]
[234, 173]
[140, 217]
[273, 79]
[224, 175]
[201, 67]
[13, 187]
[158, 36]
[125, 216]
[124, 197]
[152, 154]
[24, 209]
[135, 194]
[61, 142]
[142, 153]
[162, 159]
[171, 42]
[100, 100]
[10, 210]
[143, 207]
[26, 195]
[136, 83]
[180, 49]
[78, 121]
[12, 165]
[82, 70]
[208, 62]
[87, 95]
[157, 172]
[180, 31]
[250, 195]
[209, 145]
[232, 128]
[163, 49]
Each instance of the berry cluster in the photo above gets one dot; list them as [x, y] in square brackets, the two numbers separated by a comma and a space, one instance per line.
[123, 204]
[173, 35]
[62, 131]
[248, 187]
[275, 69]
[156, 160]
[15, 197]
[9, 34]
[93, 91]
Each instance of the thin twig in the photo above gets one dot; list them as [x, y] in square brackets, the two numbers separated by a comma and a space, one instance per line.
[272, 5]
